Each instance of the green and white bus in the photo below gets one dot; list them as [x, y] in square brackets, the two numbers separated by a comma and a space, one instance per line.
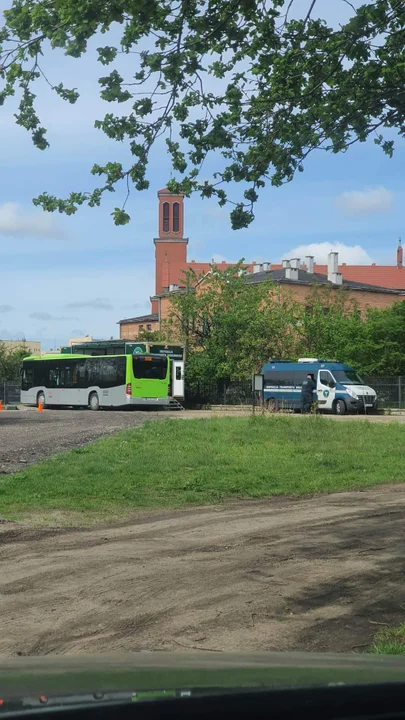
[104, 381]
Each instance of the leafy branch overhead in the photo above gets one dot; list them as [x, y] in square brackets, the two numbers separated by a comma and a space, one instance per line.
[244, 79]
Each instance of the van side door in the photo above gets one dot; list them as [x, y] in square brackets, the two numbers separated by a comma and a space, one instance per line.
[326, 390]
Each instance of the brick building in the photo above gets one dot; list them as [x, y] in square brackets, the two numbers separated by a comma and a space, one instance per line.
[371, 285]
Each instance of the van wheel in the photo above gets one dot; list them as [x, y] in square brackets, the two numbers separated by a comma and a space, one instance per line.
[94, 402]
[271, 405]
[41, 399]
[339, 407]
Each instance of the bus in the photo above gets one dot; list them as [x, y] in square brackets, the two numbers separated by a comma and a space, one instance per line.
[339, 389]
[175, 352]
[96, 382]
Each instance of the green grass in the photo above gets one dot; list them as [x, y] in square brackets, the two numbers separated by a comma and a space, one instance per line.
[175, 463]
[390, 641]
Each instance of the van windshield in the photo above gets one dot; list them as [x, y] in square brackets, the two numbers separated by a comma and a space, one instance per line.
[347, 377]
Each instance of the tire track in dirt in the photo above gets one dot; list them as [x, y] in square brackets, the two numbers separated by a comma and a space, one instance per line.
[303, 574]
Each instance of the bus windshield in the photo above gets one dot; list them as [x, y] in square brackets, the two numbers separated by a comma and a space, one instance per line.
[151, 368]
[347, 377]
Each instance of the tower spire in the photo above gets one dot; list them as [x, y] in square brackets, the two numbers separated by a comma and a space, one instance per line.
[400, 254]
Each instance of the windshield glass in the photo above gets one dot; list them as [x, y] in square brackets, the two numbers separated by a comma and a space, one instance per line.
[150, 368]
[347, 377]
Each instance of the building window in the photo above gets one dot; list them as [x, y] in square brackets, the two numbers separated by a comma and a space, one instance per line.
[166, 217]
[149, 327]
[176, 217]
[140, 327]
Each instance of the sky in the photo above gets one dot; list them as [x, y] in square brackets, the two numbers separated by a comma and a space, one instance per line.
[62, 277]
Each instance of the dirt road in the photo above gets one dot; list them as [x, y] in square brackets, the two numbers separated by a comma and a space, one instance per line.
[322, 573]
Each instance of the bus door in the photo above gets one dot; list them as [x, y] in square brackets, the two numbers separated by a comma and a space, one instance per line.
[326, 390]
[178, 378]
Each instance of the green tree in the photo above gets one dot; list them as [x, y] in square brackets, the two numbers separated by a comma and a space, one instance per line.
[328, 324]
[11, 361]
[379, 347]
[230, 328]
[332, 327]
[284, 86]
[152, 336]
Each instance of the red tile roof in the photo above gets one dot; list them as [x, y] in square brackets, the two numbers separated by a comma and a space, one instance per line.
[389, 276]
[176, 270]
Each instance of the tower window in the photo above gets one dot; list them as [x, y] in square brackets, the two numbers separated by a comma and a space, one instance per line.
[166, 217]
[176, 217]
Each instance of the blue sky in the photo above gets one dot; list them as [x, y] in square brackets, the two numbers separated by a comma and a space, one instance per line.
[63, 276]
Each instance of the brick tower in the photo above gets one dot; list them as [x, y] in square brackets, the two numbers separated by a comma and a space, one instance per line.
[170, 246]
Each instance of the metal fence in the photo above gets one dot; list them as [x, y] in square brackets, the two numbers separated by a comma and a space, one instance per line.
[219, 392]
[10, 393]
[390, 392]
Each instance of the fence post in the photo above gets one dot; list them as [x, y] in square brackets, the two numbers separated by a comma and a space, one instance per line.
[400, 393]
[4, 392]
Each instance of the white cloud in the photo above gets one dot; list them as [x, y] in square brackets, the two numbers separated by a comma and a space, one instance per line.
[5, 308]
[96, 304]
[17, 222]
[350, 254]
[363, 202]
[47, 316]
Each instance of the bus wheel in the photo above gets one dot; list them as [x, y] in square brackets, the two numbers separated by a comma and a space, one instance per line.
[339, 407]
[94, 402]
[41, 400]
[271, 405]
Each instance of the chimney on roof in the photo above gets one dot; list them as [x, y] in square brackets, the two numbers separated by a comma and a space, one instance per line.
[257, 268]
[400, 254]
[334, 276]
[285, 263]
[291, 273]
[295, 263]
[266, 267]
[309, 264]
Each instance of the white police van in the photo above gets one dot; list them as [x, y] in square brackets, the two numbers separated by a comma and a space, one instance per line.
[339, 389]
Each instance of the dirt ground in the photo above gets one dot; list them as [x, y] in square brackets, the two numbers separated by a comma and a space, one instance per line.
[317, 574]
[27, 436]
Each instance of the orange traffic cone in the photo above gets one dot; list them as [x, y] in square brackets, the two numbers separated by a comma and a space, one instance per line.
[40, 407]
[1, 405]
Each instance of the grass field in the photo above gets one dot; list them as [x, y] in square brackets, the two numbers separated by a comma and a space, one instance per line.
[390, 641]
[173, 463]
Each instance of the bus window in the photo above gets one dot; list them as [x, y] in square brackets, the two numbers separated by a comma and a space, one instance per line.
[53, 375]
[112, 371]
[67, 376]
[105, 372]
[27, 378]
[149, 368]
